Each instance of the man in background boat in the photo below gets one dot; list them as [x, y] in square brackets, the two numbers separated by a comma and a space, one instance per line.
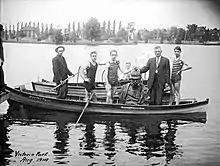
[135, 92]
[159, 75]
[2, 82]
[127, 71]
[61, 72]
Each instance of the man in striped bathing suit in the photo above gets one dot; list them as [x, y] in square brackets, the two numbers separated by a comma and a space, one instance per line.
[177, 68]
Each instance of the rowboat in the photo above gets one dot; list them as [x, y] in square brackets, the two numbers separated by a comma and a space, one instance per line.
[43, 98]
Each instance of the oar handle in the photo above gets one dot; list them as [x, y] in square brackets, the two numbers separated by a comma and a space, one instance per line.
[63, 82]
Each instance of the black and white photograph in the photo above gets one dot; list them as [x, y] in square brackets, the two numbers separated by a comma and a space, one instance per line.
[109, 82]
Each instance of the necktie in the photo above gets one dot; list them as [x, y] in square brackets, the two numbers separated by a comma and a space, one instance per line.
[157, 61]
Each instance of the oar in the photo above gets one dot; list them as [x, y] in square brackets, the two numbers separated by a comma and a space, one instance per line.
[46, 81]
[62, 82]
[84, 109]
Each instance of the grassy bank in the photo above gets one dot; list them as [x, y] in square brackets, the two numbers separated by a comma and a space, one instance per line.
[95, 43]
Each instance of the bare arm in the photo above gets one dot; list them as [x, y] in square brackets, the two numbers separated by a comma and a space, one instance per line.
[119, 67]
[106, 76]
[185, 67]
[128, 71]
[101, 63]
[83, 72]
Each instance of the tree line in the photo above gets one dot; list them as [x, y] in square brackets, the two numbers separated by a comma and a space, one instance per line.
[93, 30]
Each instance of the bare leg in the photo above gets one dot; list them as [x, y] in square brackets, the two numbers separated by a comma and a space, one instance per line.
[111, 95]
[177, 92]
[108, 97]
[172, 94]
[87, 95]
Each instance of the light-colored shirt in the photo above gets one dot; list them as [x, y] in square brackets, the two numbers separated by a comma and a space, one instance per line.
[157, 63]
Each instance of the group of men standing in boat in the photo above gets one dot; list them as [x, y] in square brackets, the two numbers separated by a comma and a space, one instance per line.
[134, 92]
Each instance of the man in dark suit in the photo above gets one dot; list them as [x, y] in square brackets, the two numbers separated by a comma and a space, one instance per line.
[61, 72]
[2, 82]
[159, 75]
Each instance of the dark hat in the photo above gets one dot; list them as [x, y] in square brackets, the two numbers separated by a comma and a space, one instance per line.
[59, 47]
[1, 27]
[135, 74]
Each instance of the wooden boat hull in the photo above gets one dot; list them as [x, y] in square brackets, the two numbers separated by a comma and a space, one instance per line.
[49, 101]
[36, 115]
[4, 96]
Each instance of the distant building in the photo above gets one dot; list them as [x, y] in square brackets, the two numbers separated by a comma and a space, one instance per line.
[30, 31]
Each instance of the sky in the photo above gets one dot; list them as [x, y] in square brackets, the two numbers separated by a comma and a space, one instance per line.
[148, 14]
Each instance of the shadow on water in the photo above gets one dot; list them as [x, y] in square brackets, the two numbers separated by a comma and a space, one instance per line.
[5, 150]
[153, 140]
[150, 136]
[61, 147]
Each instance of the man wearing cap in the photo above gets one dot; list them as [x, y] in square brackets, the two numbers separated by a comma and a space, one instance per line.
[61, 72]
[135, 92]
[159, 75]
[2, 82]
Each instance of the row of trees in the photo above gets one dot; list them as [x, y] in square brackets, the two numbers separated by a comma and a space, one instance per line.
[193, 32]
[93, 30]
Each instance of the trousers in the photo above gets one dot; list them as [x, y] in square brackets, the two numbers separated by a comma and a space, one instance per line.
[156, 92]
[62, 91]
[2, 81]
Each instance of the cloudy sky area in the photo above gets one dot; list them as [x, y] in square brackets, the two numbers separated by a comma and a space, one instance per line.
[145, 13]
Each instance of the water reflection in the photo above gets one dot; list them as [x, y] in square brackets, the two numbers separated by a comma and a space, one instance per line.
[5, 150]
[170, 146]
[61, 147]
[148, 137]
[31, 115]
[88, 142]
[152, 138]
[109, 139]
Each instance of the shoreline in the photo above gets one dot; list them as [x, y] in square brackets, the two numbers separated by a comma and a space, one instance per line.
[103, 43]
[68, 43]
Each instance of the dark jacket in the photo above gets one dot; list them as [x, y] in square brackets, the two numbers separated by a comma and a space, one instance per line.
[163, 71]
[60, 69]
[1, 50]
